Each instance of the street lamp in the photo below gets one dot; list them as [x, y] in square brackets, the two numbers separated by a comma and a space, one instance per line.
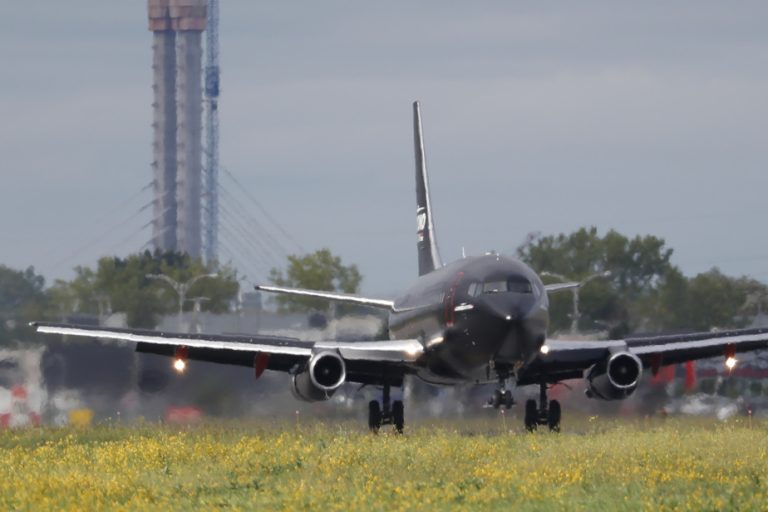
[181, 289]
[576, 315]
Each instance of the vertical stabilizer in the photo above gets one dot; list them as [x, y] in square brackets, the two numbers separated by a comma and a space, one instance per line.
[429, 255]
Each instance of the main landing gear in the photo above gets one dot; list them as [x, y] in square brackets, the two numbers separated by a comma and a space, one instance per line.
[386, 413]
[547, 413]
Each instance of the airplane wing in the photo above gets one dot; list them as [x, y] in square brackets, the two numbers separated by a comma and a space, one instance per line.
[567, 359]
[334, 296]
[366, 361]
[556, 287]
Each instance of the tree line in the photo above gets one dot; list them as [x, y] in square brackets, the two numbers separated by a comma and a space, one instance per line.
[632, 287]
[644, 291]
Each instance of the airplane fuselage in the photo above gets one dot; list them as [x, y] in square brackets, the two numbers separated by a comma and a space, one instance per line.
[476, 317]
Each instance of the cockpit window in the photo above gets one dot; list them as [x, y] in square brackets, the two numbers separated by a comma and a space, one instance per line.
[494, 286]
[519, 285]
[511, 285]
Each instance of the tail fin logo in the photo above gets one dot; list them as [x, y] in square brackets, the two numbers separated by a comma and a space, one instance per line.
[421, 223]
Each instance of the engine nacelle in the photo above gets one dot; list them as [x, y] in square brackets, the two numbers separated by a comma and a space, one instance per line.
[616, 378]
[324, 374]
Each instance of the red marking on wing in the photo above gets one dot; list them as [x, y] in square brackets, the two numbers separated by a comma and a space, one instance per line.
[181, 352]
[260, 362]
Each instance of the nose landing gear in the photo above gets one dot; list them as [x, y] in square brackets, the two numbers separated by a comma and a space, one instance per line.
[386, 413]
[501, 397]
[547, 413]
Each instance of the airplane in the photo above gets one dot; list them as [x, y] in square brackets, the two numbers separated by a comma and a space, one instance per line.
[477, 320]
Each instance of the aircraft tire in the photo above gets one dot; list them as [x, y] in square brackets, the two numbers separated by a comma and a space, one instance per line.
[496, 398]
[398, 415]
[507, 399]
[553, 416]
[374, 416]
[531, 415]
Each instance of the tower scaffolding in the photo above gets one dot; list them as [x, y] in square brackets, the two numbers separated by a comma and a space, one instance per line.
[211, 169]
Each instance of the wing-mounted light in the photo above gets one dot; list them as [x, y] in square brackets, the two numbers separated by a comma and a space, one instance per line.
[180, 359]
[730, 357]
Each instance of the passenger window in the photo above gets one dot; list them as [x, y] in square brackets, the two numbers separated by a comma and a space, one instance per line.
[473, 290]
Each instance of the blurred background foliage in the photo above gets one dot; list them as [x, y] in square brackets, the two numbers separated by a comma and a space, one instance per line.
[644, 292]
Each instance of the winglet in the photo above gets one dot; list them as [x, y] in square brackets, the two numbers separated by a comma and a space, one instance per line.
[429, 254]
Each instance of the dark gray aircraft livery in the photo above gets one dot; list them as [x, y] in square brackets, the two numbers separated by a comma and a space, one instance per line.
[477, 320]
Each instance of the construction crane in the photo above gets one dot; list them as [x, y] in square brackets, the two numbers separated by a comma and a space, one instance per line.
[211, 171]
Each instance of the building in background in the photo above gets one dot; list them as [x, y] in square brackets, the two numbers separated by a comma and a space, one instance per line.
[177, 27]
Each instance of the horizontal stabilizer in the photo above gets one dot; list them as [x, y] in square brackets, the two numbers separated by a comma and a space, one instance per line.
[556, 287]
[334, 296]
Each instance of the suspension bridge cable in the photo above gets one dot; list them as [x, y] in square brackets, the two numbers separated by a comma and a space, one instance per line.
[251, 271]
[252, 219]
[263, 210]
[245, 251]
[235, 222]
[106, 233]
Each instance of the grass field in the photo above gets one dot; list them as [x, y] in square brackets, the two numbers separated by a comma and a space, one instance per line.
[597, 465]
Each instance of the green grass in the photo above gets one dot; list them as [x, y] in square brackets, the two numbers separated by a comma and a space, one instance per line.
[671, 464]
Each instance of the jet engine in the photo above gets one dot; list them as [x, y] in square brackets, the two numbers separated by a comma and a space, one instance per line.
[324, 374]
[616, 378]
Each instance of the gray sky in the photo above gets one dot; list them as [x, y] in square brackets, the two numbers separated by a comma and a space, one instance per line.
[650, 118]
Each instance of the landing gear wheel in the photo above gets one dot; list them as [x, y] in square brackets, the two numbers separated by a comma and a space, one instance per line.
[507, 400]
[374, 416]
[496, 398]
[553, 416]
[398, 416]
[531, 415]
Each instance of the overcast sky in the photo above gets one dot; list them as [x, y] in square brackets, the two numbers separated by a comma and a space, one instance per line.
[649, 118]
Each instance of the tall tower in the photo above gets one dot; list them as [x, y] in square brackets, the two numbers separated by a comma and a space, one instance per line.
[188, 19]
[164, 125]
[177, 27]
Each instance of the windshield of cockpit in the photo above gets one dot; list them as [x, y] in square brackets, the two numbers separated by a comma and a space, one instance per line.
[515, 284]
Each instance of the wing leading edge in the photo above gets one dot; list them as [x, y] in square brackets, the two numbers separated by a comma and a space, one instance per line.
[387, 351]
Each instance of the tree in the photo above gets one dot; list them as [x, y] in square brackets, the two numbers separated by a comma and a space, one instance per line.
[717, 300]
[646, 292]
[22, 300]
[121, 285]
[637, 268]
[320, 270]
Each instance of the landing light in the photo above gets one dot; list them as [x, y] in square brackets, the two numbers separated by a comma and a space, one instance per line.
[434, 341]
[730, 363]
[545, 349]
[180, 365]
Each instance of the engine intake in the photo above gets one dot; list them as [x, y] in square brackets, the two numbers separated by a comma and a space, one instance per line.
[324, 374]
[616, 378]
